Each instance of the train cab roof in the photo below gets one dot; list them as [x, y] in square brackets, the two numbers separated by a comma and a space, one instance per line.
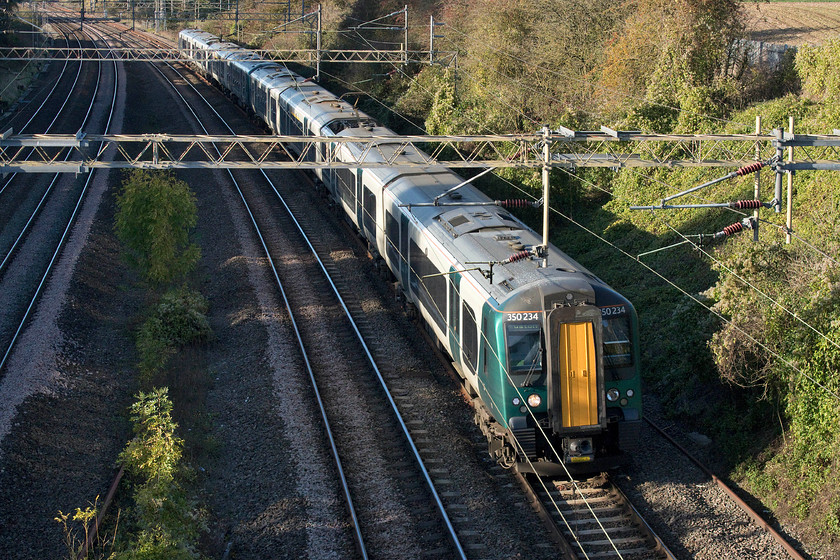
[490, 234]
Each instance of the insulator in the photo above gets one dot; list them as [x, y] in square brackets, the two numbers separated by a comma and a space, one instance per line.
[745, 204]
[518, 257]
[734, 228]
[514, 203]
[751, 168]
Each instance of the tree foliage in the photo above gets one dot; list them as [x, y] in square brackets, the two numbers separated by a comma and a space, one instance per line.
[155, 213]
[522, 64]
[666, 49]
[784, 336]
[165, 523]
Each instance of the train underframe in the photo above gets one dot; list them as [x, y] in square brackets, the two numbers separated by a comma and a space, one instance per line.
[535, 449]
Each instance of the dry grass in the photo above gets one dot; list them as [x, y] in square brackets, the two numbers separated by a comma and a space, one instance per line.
[792, 23]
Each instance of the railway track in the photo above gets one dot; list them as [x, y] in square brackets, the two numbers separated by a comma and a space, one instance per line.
[391, 458]
[40, 210]
[592, 519]
[394, 506]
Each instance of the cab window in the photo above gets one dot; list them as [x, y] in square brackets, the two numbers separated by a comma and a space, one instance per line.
[525, 353]
[618, 350]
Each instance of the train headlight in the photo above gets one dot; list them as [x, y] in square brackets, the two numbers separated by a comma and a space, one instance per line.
[630, 393]
[534, 400]
[516, 401]
[613, 394]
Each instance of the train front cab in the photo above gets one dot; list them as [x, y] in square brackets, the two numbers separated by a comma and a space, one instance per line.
[584, 408]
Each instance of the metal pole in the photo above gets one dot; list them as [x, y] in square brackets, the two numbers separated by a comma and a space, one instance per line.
[780, 154]
[405, 45]
[789, 209]
[318, 47]
[757, 175]
[431, 40]
[236, 20]
[546, 190]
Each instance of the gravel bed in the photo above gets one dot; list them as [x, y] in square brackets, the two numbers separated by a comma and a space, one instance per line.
[62, 391]
[687, 509]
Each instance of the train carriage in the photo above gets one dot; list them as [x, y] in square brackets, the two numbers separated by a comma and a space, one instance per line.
[549, 353]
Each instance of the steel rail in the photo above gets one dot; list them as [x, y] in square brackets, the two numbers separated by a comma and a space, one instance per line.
[357, 535]
[754, 515]
[70, 221]
[46, 99]
[441, 509]
[56, 176]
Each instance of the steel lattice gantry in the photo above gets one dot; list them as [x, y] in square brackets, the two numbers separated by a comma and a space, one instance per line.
[568, 149]
[157, 54]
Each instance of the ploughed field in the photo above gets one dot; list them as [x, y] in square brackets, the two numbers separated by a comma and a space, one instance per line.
[792, 23]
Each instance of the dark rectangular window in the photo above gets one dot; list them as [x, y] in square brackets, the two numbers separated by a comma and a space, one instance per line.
[454, 305]
[345, 180]
[524, 351]
[369, 218]
[485, 340]
[392, 238]
[618, 350]
[428, 285]
[469, 344]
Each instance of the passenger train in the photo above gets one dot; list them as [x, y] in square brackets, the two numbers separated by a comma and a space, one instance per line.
[549, 354]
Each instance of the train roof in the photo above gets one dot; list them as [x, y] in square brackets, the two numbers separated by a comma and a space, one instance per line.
[480, 234]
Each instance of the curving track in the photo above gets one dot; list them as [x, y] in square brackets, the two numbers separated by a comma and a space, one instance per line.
[394, 512]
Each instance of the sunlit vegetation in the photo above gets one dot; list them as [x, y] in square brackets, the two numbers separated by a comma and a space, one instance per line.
[155, 214]
[163, 522]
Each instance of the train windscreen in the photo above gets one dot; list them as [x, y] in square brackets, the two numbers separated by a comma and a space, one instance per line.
[525, 350]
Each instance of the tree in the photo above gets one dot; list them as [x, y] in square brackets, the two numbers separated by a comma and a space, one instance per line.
[155, 214]
[665, 49]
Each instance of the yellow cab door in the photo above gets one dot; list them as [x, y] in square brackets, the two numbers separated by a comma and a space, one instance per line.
[575, 381]
[578, 374]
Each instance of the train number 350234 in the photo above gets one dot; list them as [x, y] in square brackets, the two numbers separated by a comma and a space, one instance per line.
[523, 316]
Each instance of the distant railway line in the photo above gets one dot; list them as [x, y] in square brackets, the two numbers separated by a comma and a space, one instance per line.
[37, 212]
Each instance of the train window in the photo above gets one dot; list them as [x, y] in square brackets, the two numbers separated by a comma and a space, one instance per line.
[454, 305]
[525, 345]
[428, 284]
[618, 350]
[346, 183]
[404, 223]
[369, 218]
[392, 237]
[469, 345]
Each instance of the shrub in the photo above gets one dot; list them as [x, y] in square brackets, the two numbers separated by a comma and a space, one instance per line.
[178, 320]
[165, 522]
[155, 212]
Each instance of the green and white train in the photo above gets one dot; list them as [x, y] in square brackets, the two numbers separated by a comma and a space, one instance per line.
[549, 354]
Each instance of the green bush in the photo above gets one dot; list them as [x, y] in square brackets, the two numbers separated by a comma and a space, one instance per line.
[155, 213]
[165, 524]
[178, 320]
